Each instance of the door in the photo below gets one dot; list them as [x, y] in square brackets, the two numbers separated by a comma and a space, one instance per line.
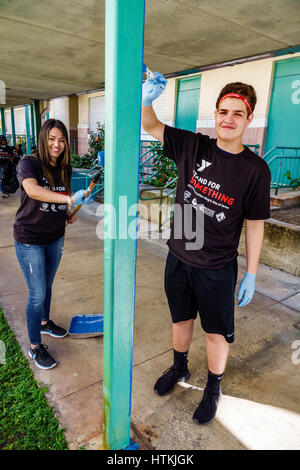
[284, 123]
[187, 106]
[284, 113]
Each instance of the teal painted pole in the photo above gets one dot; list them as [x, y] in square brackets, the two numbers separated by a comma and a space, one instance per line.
[13, 127]
[32, 124]
[28, 136]
[3, 127]
[124, 26]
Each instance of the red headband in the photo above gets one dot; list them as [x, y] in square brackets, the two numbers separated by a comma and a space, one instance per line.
[240, 97]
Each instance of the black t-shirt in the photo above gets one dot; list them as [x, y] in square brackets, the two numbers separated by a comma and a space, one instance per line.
[218, 191]
[6, 153]
[37, 222]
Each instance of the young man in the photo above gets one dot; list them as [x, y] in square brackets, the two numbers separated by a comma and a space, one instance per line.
[229, 184]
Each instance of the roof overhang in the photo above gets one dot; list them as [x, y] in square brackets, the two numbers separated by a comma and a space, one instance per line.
[50, 49]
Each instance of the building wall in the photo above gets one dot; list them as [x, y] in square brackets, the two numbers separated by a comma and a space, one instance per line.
[74, 111]
[257, 73]
[60, 110]
[84, 120]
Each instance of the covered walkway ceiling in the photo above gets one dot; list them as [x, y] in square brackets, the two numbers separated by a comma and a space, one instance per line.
[51, 48]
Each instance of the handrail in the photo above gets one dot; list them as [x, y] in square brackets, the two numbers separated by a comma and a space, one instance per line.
[278, 147]
[282, 156]
[142, 164]
[160, 198]
[255, 147]
[145, 169]
[154, 188]
[280, 160]
[145, 161]
[149, 150]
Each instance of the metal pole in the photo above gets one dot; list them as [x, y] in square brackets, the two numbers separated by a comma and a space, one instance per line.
[13, 127]
[123, 79]
[28, 136]
[3, 128]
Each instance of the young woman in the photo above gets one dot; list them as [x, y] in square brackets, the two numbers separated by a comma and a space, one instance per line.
[39, 229]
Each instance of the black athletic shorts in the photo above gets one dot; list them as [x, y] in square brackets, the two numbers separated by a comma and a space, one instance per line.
[207, 291]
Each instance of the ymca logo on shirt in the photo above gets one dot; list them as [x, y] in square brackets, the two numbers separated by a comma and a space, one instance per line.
[204, 164]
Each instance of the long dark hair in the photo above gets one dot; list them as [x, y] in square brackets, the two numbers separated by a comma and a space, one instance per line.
[63, 161]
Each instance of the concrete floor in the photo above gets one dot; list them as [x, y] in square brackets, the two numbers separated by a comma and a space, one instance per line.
[260, 407]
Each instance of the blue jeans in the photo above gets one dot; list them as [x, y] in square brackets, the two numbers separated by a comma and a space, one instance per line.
[39, 264]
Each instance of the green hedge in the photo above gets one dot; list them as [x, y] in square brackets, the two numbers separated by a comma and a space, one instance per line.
[27, 422]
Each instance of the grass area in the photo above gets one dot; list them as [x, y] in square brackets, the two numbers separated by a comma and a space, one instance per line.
[27, 422]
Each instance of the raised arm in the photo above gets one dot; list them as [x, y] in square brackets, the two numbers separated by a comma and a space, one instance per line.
[151, 124]
[152, 89]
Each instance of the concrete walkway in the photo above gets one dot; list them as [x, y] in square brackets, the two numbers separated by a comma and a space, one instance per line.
[260, 407]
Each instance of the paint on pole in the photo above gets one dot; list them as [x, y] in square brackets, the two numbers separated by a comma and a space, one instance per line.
[123, 83]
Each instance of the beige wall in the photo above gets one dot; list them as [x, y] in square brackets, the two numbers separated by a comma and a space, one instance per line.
[171, 92]
[257, 73]
[61, 110]
[83, 106]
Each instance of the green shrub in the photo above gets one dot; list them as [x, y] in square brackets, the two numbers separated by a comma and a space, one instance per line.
[293, 182]
[27, 420]
[84, 161]
[96, 140]
[96, 143]
[164, 168]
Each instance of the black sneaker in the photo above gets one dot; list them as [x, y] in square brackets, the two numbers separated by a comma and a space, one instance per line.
[53, 330]
[169, 379]
[41, 357]
[207, 408]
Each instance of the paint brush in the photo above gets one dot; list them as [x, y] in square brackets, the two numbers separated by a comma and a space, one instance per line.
[95, 180]
[150, 74]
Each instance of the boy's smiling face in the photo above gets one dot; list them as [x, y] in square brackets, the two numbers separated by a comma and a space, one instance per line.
[232, 120]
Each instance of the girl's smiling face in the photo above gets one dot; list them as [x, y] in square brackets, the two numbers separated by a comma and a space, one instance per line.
[56, 144]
